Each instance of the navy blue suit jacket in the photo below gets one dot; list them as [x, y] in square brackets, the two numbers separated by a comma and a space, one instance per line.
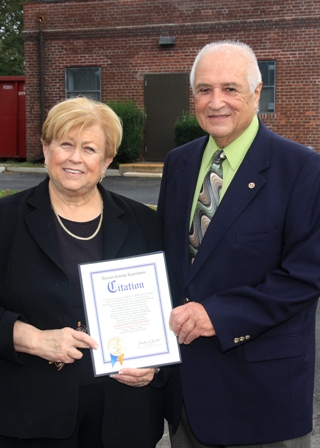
[257, 274]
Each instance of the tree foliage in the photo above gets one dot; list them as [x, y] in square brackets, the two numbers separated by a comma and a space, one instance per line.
[11, 42]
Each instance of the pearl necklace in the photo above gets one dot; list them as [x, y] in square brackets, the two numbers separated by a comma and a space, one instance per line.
[76, 236]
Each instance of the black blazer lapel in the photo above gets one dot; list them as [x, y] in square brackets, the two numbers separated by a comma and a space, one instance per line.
[114, 230]
[40, 222]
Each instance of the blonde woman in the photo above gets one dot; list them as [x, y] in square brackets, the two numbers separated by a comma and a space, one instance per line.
[49, 395]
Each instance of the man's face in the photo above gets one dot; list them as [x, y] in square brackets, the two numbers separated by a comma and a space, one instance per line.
[224, 104]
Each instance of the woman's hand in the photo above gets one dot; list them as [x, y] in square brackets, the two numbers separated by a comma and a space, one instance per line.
[54, 345]
[135, 377]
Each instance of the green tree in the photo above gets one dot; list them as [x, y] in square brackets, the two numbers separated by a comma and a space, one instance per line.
[11, 42]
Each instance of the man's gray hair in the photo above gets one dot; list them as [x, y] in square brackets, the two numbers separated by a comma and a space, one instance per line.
[230, 46]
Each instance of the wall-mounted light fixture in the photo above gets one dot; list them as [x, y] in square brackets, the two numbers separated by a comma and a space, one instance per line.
[167, 40]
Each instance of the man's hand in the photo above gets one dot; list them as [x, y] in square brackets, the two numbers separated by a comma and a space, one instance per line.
[190, 321]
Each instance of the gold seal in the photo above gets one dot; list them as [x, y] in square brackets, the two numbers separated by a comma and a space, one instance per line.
[116, 346]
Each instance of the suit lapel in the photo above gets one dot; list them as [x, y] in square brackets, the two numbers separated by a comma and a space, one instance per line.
[40, 222]
[245, 185]
[114, 230]
[186, 179]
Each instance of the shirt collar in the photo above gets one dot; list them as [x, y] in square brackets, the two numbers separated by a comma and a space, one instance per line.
[236, 150]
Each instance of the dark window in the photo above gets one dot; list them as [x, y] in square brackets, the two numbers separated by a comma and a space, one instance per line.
[85, 81]
[268, 93]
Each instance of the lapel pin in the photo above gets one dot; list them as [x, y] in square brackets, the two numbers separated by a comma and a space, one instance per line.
[251, 185]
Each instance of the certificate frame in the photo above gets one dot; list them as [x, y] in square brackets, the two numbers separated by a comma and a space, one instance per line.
[127, 303]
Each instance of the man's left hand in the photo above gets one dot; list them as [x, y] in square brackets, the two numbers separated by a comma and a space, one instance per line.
[190, 321]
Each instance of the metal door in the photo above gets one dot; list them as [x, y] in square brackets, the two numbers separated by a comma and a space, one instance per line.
[166, 98]
[12, 117]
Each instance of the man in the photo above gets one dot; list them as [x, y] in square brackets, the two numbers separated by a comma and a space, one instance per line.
[245, 298]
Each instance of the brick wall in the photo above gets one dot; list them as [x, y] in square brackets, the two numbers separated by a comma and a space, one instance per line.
[122, 37]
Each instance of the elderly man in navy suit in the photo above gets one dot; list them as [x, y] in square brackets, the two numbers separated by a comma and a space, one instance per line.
[241, 213]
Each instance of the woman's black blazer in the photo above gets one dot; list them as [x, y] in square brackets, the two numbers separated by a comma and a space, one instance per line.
[36, 399]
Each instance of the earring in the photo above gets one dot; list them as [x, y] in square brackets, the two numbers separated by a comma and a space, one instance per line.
[103, 175]
[46, 168]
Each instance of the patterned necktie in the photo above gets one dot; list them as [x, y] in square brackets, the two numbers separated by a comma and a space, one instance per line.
[207, 203]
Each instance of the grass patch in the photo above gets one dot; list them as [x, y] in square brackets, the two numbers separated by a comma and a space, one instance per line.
[7, 192]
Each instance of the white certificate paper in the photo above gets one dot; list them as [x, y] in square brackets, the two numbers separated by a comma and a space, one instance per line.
[128, 305]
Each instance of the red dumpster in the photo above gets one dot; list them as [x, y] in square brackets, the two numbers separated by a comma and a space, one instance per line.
[12, 117]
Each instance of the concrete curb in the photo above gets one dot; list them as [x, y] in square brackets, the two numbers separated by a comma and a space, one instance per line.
[140, 174]
[24, 169]
[109, 172]
[141, 168]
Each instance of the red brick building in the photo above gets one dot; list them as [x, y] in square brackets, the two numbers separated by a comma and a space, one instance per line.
[143, 50]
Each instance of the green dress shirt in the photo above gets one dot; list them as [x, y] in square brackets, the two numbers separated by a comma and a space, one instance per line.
[234, 152]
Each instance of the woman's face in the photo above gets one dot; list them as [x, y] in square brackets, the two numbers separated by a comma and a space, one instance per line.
[75, 163]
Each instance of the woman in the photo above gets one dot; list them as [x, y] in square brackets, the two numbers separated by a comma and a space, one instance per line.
[49, 395]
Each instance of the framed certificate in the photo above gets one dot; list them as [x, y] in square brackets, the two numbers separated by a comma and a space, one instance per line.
[128, 304]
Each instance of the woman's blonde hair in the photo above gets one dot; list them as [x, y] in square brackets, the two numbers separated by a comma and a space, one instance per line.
[81, 112]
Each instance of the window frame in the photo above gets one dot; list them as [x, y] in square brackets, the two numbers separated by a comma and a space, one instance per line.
[90, 93]
[267, 85]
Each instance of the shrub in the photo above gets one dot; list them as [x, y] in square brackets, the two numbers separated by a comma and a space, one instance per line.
[187, 129]
[133, 126]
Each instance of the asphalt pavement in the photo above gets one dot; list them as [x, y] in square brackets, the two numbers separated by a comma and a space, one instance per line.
[142, 189]
[146, 190]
